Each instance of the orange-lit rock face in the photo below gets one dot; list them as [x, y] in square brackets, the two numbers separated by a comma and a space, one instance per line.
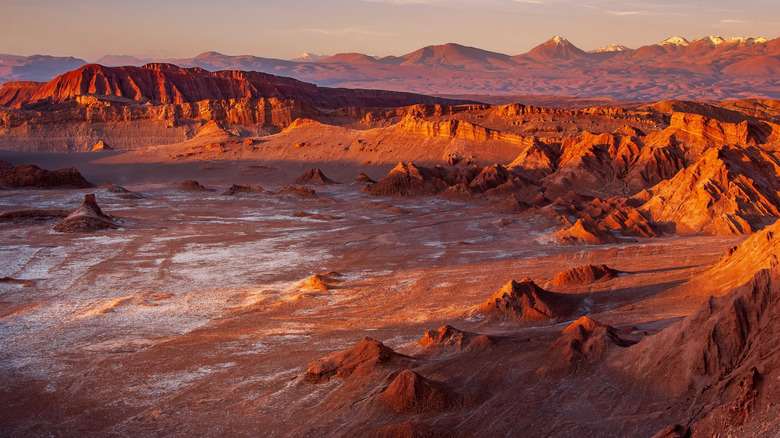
[525, 301]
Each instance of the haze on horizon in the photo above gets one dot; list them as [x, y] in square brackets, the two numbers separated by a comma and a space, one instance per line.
[90, 29]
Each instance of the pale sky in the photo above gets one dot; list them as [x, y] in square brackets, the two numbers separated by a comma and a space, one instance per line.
[283, 29]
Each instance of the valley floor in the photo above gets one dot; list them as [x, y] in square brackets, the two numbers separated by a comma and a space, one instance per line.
[199, 315]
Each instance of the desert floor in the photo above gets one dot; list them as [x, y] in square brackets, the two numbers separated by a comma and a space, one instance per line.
[196, 316]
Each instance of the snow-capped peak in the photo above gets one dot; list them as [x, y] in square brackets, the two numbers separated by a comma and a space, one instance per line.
[748, 41]
[713, 40]
[717, 40]
[558, 40]
[611, 48]
[309, 57]
[674, 41]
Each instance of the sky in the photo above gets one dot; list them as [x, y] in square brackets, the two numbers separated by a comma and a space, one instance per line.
[89, 29]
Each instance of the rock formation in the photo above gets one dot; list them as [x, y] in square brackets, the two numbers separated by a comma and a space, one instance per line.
[87, 218]
[314, 176]
[446, 336]
[363, 179]
[298, 191]
[586, 230]
[525, 301]
[193, 186]
[723, 353]
[237, 189]
[30, 176]
[586, 274]
[32, 215]
[100, 146]
[729, 190]
[410, 393]
[587, 339]
[408, 180]
[120, 191]
[362, 359]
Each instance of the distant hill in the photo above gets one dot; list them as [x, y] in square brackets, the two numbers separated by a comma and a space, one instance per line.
[709, 68]
[35, 67]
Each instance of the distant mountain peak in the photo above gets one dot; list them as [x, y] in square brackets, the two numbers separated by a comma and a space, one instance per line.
[748, 41]
[558, 40]
[310, 57]
[674, 41]
[556, 49]
[714, 40]
[209, 54]
[611, 48]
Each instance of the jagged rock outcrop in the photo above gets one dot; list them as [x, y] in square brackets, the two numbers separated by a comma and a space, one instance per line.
[87, 218]
[410, 393]
[723, 354]
[448, 336]
[587, 339]
[729, 190]
[363, 359]
[490, 178]
[408, 180]
[100, 146]
[586, 274]
[14, 93]
[536, 161]
[314, 176]
[525, 301]
[30, 176]
[586, 230]
[455, 129]
[759, 251]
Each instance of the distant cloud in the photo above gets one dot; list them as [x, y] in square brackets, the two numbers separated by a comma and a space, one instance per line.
[348, 31]
[626, 13]
[733, 21]
[640, 12]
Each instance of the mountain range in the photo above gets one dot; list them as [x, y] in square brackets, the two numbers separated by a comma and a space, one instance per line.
[710, 68]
